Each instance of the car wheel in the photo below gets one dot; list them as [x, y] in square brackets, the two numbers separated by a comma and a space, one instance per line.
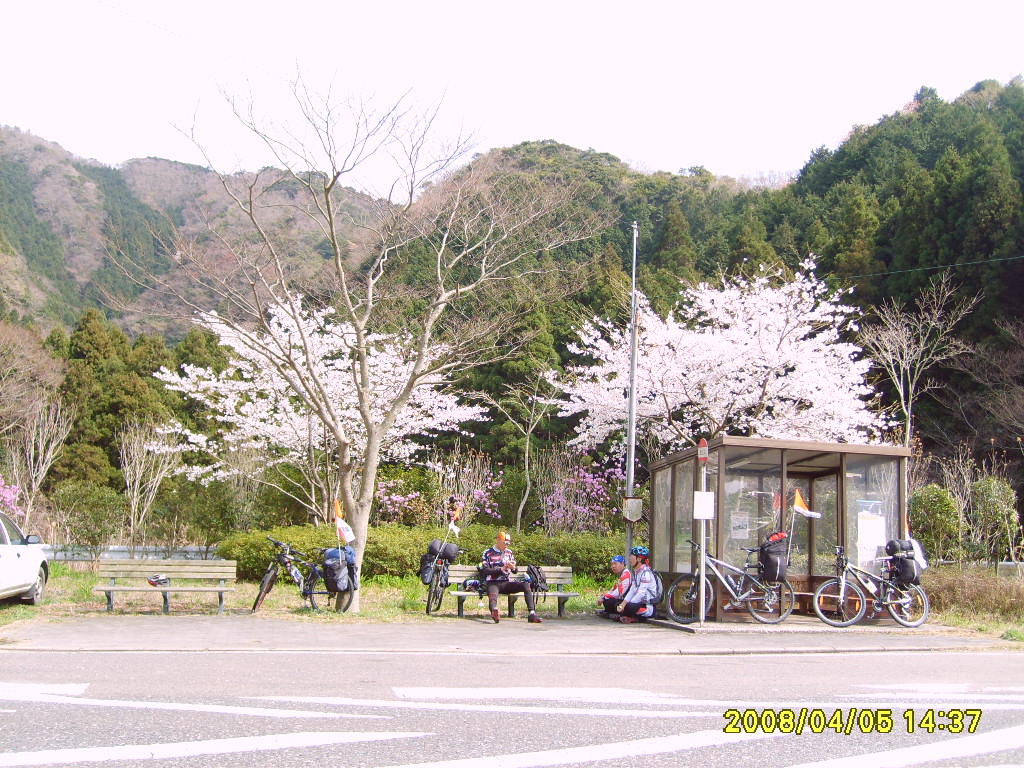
[35, 595]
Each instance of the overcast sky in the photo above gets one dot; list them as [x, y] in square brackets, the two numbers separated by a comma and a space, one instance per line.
[742, 88]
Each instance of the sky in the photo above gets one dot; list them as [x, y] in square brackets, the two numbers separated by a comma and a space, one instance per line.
[741, 88]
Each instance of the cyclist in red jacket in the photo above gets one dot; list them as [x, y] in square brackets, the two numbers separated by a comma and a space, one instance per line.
[610, 600]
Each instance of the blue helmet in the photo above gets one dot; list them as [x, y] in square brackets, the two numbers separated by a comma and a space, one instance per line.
[619, 559]
[640, 551]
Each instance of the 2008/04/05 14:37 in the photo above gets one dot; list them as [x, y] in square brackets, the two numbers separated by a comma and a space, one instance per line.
[810, 720]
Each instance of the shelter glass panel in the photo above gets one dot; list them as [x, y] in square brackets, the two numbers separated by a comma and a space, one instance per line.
[751, 511]
[660, 523]
[825, 499]
[683, 559]
[872, 507]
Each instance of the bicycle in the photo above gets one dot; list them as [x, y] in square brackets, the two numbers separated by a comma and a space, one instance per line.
[309, 577]
[841, 601]
[439, 581]
[768, 601]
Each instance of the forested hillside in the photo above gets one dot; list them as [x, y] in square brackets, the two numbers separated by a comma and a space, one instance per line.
[934, 188]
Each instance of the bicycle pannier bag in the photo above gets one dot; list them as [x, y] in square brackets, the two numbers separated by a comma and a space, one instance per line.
[773, 556]
[899, 547]
[427, 567]
[350, 562]
[538, 579]
[434, 547]
[449, 551]
[908, 571]
[335, 571]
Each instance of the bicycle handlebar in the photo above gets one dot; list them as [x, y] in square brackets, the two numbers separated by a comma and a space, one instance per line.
[288, 549]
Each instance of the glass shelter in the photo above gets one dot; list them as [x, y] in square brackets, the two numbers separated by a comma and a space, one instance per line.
[761, 486]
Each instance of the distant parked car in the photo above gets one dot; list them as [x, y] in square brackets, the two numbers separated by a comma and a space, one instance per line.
[23, 566]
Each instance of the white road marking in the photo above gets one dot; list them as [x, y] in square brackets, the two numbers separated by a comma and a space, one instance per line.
[618, 750]
[593, 695]
[191, 748]
[176, 706]
[66, 689]
[500, 708]
[964, 746]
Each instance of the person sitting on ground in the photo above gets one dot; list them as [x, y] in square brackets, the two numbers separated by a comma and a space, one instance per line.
[497, 565]
[610, 600]
[638, 604]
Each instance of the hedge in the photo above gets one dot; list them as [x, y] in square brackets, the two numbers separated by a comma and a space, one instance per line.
[394, 550]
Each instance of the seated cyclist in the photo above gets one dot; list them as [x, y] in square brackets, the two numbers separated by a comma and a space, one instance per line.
[497, 565]
[610, 600]
[638, 603]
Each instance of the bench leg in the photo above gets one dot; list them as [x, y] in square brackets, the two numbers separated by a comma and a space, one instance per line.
[561, 606]
[167, 602]
[462, 606]
[512, 605]
[220, 603]
[110, 601]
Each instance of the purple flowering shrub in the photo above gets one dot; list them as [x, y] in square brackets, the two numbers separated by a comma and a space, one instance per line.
[576, 498]
[9, 499]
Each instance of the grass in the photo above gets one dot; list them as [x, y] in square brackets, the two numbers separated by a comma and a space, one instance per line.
[975, 598]
[387, 598]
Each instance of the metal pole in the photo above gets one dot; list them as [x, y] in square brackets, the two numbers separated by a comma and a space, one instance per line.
[702, 459]
[631, 424]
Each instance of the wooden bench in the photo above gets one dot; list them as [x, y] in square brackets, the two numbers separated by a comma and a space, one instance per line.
[558, 576]
[117, 572]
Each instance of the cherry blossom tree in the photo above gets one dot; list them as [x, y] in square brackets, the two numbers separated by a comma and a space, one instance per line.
[758, 355]
[256, 410]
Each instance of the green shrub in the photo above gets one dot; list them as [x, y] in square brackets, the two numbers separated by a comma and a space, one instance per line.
[935, 522]
[394, 550]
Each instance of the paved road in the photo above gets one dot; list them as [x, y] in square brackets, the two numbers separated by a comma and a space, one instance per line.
[205, 691]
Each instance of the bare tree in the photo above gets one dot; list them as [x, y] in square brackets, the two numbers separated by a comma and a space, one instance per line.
[148, 457]
[27, 374]
[434, 262]
[525, 406]
[32, 449]
[907, 343]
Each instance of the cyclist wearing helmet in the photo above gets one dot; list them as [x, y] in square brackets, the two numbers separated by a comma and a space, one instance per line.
[497, 565]
[638, 603]
[610, 600]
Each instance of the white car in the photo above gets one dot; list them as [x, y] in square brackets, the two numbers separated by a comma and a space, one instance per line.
[23, 566]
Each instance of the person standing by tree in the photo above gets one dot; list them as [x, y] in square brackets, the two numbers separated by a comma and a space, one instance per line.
[610, 600]
[497, 565]
[638, 603]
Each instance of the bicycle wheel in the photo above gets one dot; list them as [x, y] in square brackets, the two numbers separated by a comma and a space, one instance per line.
[909, 606]
[315, 590]
[435, 592]
[266, 584]
[772, 602]
[683, 601]
[839, 605]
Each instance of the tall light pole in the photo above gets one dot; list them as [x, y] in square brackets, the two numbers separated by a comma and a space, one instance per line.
[631, 424]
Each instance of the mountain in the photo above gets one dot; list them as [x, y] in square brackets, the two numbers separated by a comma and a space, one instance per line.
[62, 216]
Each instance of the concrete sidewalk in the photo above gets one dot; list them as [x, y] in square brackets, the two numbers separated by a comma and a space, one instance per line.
[575, 636]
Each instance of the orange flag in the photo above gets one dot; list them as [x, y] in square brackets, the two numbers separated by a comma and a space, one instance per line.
[798, 501]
